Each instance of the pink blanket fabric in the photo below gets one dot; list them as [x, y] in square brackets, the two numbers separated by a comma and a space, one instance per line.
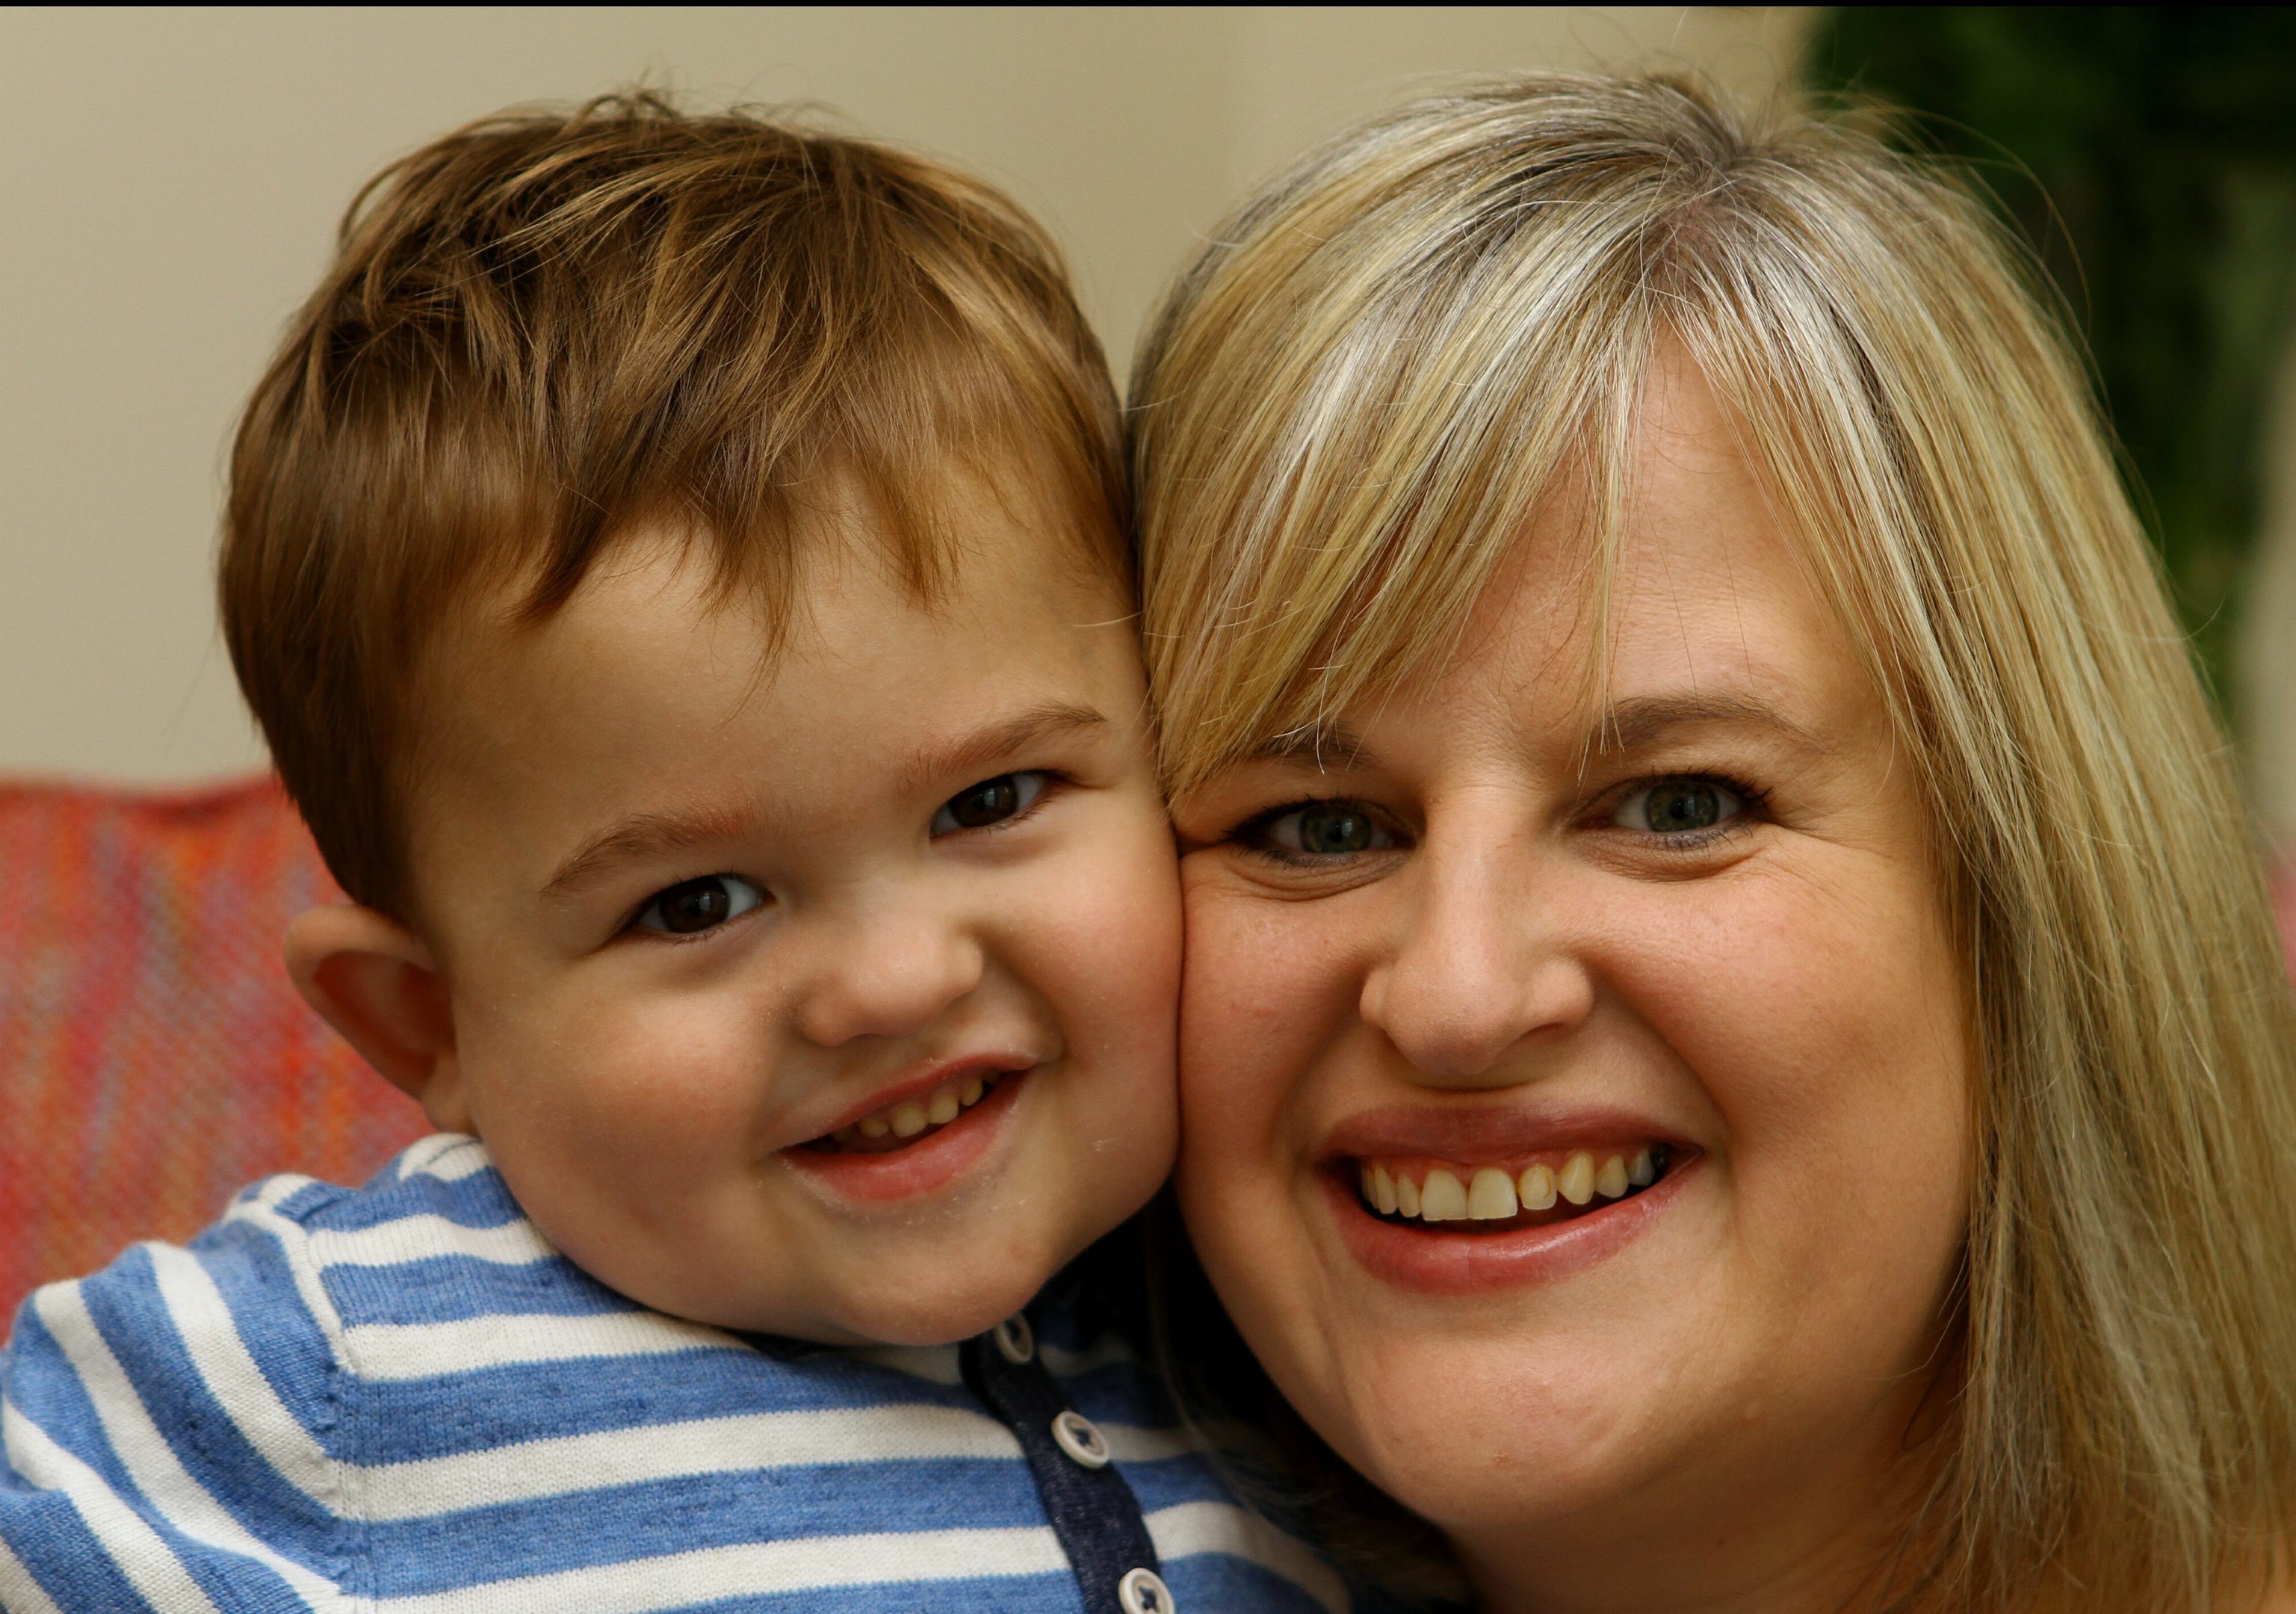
[153, 1057]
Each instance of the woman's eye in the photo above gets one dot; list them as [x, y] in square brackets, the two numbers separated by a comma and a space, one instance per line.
[1327, 829]
[1677, 807]
[990, 802]
[699, 905]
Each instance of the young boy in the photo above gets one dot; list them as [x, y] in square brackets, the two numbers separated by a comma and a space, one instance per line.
[679, 566]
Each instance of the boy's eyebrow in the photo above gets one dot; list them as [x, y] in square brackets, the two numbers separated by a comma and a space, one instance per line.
[983, 747]
[644, 835]
[650, 834]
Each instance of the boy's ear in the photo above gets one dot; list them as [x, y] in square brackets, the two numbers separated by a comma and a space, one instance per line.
[372, 979]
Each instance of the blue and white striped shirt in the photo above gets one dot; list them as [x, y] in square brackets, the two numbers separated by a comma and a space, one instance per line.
[399, 1399]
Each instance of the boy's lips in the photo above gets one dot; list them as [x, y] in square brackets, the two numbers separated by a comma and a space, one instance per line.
[935, 1159]
[952, 1076]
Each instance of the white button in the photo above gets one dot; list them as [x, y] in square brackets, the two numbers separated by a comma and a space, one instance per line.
[1077, 1436]
[1142, 1591]
[1016, 1341]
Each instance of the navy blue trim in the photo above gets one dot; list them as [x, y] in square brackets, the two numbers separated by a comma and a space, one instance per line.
[1092, 1510]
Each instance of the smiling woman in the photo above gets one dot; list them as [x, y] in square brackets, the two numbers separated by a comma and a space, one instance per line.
[1721, 938]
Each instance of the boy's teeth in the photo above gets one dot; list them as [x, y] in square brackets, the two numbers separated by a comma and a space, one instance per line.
[913, 1117]
[1428, 1192]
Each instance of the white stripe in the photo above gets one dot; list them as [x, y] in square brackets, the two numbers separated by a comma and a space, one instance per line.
[681, 1579]
[421, 1238]
[145, 1560]
[749, 1442]
[425, 1350]
[1191, 1527]
[448, 1156]
[532, 1471]
[20, 1594]
[934, 1364]
[210, 1336]
[144, 1453]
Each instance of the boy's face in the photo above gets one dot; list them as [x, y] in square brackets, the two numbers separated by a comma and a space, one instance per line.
[729, 939]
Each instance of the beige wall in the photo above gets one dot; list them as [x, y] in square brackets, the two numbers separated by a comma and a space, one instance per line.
[169, 179]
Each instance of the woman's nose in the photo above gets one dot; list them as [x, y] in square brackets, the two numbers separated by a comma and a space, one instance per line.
[1480, 963]
[887, 974]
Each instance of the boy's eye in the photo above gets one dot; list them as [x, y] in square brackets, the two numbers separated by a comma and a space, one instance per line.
[699, 905]
[1327, 829]
[1677, 807]
[991, 801]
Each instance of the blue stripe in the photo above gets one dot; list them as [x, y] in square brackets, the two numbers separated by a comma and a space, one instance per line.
[46, 1533]
[487, 1407]
[478, 1200]
[695, 1513]
[1214, 1581]
[1053, 1593]
[448, 1289]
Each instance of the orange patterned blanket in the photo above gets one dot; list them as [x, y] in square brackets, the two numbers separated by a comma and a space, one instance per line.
[153, 1057]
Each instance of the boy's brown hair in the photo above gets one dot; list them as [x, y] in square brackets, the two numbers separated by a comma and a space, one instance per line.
[545, 330]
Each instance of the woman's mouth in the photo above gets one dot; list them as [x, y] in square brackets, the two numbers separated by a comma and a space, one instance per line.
[1416, 1215]
[1538, 1190]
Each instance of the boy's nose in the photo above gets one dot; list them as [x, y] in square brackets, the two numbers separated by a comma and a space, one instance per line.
[889, 977]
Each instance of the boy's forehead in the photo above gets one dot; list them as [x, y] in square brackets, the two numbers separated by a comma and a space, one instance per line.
[656, 668]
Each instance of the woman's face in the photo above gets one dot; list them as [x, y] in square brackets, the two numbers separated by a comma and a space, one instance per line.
[1681, 958]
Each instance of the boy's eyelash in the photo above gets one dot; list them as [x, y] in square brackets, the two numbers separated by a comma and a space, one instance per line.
[1054, 780]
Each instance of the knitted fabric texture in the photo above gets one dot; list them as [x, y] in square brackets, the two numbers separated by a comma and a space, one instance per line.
[153, 1057]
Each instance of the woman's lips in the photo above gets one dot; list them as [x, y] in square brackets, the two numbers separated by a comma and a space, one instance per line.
[1451, 1201]
[882, 1171]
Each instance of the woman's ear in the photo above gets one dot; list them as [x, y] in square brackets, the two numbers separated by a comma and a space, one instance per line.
[372, 979]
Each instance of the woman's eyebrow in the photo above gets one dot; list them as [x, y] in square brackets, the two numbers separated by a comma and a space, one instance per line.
[1634, 724]
[1317, 746]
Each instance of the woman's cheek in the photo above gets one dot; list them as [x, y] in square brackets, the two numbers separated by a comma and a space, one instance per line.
[1258, 1003]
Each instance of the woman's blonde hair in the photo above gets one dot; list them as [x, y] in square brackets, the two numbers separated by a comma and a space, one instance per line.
[1384, 362]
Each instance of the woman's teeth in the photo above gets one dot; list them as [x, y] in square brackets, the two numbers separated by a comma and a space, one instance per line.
[1422, 1191]
[898, 1124]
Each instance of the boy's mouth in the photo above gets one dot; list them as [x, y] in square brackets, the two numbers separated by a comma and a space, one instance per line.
[1551, 1186]
[896, 1125]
